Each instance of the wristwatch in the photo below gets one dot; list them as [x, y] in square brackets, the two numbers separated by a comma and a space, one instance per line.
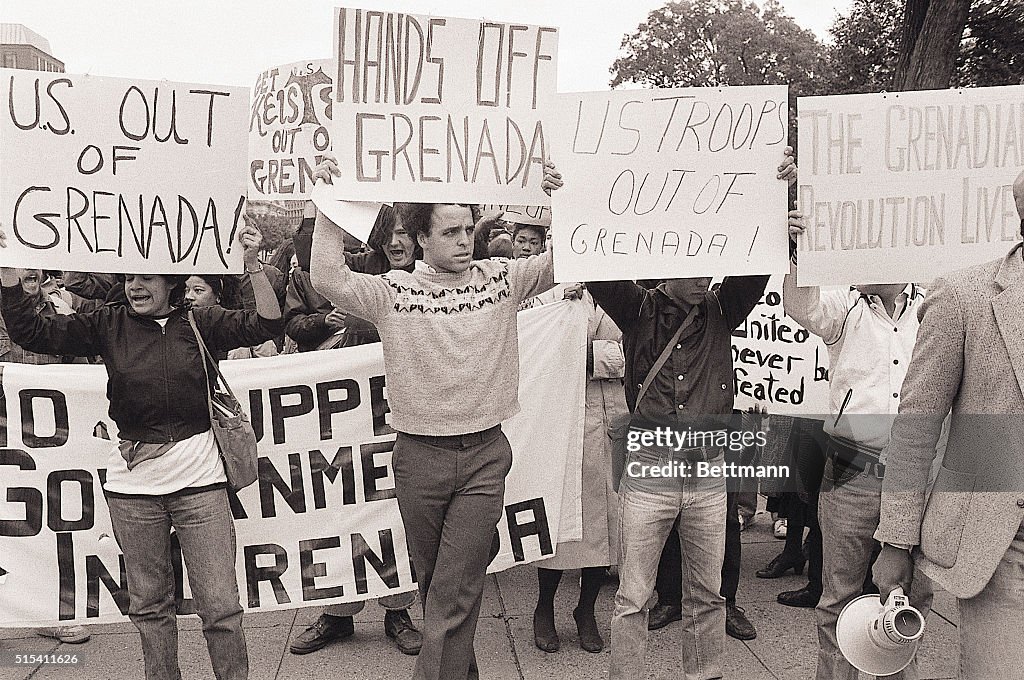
[900, 546]
[255, 271]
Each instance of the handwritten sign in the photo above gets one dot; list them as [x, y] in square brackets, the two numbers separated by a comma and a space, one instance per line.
[777, 363]
[115, 175]
[538, 215]
[908, 186]
[289, 119]
[670, 183]
[430, 108]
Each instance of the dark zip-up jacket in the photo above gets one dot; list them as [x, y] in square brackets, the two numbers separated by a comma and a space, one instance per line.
[155, 378]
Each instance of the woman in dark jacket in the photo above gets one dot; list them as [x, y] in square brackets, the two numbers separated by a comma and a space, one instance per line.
[166, 471]
[311, 320]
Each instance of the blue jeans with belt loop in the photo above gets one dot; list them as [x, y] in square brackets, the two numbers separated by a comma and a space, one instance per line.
[206, 531]
[648, 509]
[849, 505]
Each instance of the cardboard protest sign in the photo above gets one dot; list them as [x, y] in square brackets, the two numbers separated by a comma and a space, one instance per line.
[907, 186]
[289, 128]
[777, 363]
[321, 524]
[116, 175]
[355, 217]
[440, 109]
[669, 183]
[539, 215]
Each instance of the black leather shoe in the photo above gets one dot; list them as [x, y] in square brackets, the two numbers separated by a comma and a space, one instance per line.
[737, 624]
[662, 615]
[805, 597]
[782, 563]
[400, 628]
[327, 629]
[586, 627]
[544, 634]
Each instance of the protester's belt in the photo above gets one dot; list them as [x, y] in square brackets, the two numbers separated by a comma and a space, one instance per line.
[457, 441]
[849, 457]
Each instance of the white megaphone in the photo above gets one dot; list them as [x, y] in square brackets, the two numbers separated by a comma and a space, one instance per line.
[877, 639]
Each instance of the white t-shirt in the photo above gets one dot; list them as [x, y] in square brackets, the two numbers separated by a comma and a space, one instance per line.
[191, 462]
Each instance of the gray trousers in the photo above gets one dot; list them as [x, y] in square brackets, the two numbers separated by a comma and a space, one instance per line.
[848, 515]
[450, 493]
[992, 622]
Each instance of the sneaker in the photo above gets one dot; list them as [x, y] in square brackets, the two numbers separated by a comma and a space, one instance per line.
[71, 635]
[779, 530]
[400, 628]
[327, 629]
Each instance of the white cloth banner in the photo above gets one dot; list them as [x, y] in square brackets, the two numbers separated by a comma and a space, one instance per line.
[321, 525]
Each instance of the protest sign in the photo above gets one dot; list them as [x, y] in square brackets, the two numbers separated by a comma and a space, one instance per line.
[440, 109]
[321, 525]
[355, 217]
[907, 186]
[289, 128]
[669, 183]
[539, 215]
[777, 364]
[116, 175]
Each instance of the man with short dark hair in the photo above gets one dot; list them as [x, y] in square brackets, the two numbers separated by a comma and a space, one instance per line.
[451, 357]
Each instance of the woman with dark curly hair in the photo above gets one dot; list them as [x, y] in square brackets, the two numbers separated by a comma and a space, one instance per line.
[166, 471]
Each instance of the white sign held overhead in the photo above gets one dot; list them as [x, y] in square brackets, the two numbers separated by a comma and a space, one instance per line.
[289, 132]
[430, 108]
[669, 183]
[907, 186]
[118, 175]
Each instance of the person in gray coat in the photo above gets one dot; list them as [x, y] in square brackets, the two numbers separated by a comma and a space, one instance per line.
[967, 533]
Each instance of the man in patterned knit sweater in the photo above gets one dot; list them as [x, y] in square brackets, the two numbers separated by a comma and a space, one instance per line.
[451, 357]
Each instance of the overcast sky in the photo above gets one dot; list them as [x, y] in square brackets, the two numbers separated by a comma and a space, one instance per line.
[230, 42]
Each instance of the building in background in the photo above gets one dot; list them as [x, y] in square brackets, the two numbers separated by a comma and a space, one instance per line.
[21, 47]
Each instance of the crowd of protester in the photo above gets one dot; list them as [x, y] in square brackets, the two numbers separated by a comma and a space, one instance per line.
[680, 542]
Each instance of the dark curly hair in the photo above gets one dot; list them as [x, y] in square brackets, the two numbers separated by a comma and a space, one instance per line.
[416, 217]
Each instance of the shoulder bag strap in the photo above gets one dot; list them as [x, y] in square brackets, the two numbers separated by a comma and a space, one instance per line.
[664, 355]
[208, 358]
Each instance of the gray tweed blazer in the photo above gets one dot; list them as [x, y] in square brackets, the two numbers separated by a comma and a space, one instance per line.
[969, 362]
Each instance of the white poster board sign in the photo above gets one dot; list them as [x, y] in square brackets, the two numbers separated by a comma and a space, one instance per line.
[777, 363]
[669, 183]
[439, 109]
[117, 175]
[907, 186]
[289, 132]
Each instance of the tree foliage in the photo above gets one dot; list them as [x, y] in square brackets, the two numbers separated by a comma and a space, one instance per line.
[693, 43]
[866, 46]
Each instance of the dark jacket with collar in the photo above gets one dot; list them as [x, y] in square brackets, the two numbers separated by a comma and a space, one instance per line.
[695, 387]
[155, 378]
[306, 310]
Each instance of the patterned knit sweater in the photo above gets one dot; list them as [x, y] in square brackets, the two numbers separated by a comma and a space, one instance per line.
[450, 341]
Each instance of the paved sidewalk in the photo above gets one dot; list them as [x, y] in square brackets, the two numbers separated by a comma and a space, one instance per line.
[784, 649]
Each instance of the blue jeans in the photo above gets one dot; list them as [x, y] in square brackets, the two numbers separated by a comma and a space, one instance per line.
[645, 519]
[848, 516]
[992, 622]
[206, 532]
